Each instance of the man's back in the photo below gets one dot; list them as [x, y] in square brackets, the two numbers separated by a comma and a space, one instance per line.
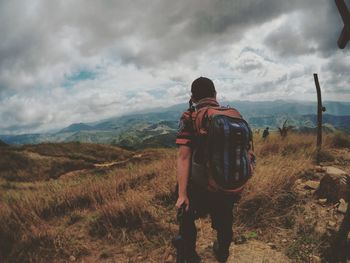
[199, 199]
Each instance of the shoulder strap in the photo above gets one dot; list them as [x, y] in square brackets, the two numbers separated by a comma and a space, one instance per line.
[193, 115]
[191, 108]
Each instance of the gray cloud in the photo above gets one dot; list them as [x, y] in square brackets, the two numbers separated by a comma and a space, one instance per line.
[337, 77]
[141, 47]
[59, 36]
[249, 65]
[287, 42]
[315, 29]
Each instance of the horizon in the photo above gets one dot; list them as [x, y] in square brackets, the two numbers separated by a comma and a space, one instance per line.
[78, 61]
[164, 109]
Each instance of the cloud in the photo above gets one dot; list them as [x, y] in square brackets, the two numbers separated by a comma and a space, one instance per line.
[336, 75]
[313, 29]
[289, 41]
[74, 61]
[48, 39]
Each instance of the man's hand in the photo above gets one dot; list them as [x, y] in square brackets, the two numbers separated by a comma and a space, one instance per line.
[183, 200]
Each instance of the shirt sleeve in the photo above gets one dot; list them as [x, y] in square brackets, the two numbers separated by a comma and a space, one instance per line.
[185, 131]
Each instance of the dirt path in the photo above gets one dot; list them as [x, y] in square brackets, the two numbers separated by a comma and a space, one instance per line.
[257, 252]
[74, 173]
[253, 251]
[117, 163]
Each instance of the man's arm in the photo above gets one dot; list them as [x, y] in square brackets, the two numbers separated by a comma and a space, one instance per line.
[183, 172]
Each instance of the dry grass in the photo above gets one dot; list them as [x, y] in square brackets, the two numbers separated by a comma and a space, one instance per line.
[119, 202]
[339, 140]
[268, 195]
[134, 204]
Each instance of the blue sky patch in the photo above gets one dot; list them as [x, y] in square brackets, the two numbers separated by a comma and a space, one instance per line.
[79, 76]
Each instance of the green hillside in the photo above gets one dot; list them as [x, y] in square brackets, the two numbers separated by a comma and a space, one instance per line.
[158, 128]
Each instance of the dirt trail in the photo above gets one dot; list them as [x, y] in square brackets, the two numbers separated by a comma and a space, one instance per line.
[73, 174]
[117, 163]
[101, 165]
[253, 251]
[257, 252]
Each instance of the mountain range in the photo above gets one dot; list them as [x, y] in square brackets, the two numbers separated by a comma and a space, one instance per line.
[158, 127]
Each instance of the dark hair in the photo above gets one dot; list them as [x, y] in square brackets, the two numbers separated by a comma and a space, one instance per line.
[202, 88]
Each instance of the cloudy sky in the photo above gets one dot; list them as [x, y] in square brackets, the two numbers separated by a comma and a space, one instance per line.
[84, 60]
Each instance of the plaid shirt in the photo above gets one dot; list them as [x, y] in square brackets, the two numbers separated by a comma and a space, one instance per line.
[186, 133]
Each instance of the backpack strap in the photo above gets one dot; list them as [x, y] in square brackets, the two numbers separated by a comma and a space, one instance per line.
[209, 110]
[198, 116]
[252, 141]
[191, 108]
[193, 115]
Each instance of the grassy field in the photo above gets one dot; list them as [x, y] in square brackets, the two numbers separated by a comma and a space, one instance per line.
[87, 202]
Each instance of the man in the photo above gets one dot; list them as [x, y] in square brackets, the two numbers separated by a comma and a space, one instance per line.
[199, 201]
[266, 133]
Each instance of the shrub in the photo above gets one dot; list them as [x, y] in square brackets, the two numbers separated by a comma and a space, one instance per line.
[340, 140]
[326, 156]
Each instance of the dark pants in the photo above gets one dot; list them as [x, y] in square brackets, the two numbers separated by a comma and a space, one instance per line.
[219, 206]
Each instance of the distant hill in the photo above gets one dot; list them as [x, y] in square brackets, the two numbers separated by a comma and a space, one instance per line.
[300, 122]
[158, 127]
[2, 144]
[77, 127]
[259, 108]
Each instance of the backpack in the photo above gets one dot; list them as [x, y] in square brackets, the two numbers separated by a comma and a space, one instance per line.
[222, 159]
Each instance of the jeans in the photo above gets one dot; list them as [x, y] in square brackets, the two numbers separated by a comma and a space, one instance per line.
[219, 206]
